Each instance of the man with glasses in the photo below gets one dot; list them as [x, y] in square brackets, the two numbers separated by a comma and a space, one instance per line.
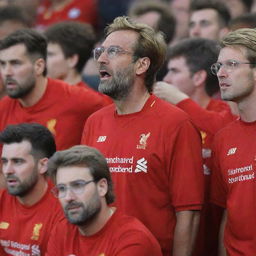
[233, 183]
[152, 148]
[28, 210]
[84, 188]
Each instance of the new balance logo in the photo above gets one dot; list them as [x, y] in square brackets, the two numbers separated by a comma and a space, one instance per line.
[141, 165]
[231, 151]
[102, 138]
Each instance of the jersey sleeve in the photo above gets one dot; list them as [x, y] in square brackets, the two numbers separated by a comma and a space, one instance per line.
[186, 176]
[209, 121]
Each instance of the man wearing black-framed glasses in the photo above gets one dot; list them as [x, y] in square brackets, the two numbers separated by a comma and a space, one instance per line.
[233, 181]
[84, 188]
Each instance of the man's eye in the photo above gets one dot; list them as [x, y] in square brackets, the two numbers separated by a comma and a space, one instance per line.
[77, 185]
[232, 64]
[112, 50]
[62, 189]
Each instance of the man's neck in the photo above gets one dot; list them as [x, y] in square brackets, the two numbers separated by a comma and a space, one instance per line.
[36, 94]
[134, 102]
[73, 78]
[201, 98]
[247, 108]
[98, 222]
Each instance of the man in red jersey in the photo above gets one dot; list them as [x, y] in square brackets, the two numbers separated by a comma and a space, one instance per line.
[28, 210]
[152, 148]
[233, 183]
[189, 84]
[84, 188]
[70, 45]
[32, 97]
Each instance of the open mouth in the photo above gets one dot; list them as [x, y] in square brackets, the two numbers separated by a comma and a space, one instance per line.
[11, 182]
[104, 74]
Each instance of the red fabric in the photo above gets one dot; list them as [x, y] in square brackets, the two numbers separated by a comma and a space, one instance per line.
[63, 109]
[209, 121]
[107, 99]
[216, 115]
[121, 236]
[76, 10]
[25, 230]
[155, 159]
[233, 185]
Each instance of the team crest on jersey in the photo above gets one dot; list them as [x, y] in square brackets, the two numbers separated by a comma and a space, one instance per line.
[203, 136]
[4, 225]
[143, 141]
[36, 231]
[51, 126]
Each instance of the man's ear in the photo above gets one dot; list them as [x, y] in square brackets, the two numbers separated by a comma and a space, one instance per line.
[102, 186]
[223, 32]
[199, 78]
[73, 60]
[142, 65]
[39, 66]
[42, 165]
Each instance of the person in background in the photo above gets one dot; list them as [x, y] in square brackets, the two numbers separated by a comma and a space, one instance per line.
[53, 11]
[247, 20]
[70, 45]
[28, 210]
[208, 19]
[155, 14]
[85, 191]
[145, 139]
[239, 7]
[189, 85]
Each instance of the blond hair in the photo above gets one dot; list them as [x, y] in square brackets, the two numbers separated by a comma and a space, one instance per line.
[150, 44]
[245, 37]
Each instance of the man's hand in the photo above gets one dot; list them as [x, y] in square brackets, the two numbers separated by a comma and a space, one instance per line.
[169, 93]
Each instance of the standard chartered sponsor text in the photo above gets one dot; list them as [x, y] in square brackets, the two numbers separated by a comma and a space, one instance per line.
[119, 160]
[243, 175]
[240, 170]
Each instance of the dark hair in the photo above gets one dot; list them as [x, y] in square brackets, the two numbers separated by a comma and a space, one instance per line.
[166, 22]
[14, 13]
[247, 4]
[220, 8]
[200, 54]
[247, 20]
[35, 43]
[41, 139]
[83, 156]
[73, 38]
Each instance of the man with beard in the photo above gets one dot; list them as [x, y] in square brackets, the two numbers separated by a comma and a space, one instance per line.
[28, 210]
[153, 150]
[32, 97]
[84, 188]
